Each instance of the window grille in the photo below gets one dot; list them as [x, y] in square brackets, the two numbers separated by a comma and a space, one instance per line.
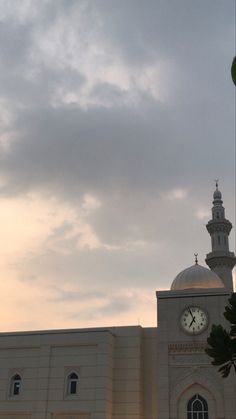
[197, 408]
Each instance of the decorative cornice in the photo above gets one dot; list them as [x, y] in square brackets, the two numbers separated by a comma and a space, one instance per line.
[219, 225]
[213, 260]
[195, 347]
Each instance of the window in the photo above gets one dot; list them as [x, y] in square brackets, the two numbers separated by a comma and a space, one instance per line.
[197, 408]
[72, 383]
[15, 385]
[218, 238]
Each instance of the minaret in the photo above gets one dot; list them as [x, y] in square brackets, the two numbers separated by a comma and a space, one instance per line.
[220, 259]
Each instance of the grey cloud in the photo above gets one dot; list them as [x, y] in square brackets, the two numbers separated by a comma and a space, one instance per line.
[178, 31]
[27, 78]
[64, 149]
[78, 296]
[126, 154]
[125, 158]
[110, 306]
[152, 266]
[107, 93]
[15, 45]
[194, 40]
[115, 306]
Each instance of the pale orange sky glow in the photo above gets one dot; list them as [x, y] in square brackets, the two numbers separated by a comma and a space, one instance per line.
[32, 298]
[31, 301]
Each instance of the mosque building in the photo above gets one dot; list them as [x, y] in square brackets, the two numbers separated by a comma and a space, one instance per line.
[131, 372]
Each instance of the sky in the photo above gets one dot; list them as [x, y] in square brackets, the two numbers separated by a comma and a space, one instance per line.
[115, 119]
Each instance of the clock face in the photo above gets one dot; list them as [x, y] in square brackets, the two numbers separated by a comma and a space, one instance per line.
[194, 320]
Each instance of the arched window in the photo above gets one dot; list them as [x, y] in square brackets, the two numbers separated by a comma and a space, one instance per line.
[15, 385]
[197, 408]
[72, 386]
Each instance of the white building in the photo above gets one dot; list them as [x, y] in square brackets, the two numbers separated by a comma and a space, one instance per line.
[130, 372]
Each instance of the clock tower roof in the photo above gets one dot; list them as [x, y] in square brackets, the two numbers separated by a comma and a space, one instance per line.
[196, 276]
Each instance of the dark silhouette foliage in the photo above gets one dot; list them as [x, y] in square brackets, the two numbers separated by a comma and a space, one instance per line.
[222, 343]
[233, 70]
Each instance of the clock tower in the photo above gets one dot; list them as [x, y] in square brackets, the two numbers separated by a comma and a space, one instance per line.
[188, 386]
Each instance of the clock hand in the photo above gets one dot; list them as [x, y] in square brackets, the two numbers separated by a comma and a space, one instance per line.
[193, 321]
[190, 312]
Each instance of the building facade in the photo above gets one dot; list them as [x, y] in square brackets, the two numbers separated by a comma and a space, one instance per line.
[130, 372]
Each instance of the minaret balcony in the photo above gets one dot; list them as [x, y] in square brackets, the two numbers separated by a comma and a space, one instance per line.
[219, 225]
[221, 257]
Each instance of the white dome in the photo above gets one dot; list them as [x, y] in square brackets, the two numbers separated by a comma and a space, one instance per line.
[196, 276]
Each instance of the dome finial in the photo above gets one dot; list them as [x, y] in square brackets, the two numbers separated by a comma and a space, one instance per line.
[196, 259]
[217, 197]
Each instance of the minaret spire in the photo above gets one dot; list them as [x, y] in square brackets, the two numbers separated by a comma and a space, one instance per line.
[220, 259]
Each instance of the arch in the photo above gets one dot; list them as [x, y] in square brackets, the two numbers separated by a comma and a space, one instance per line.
[72, 383]
[192, 384]
[15, 385]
